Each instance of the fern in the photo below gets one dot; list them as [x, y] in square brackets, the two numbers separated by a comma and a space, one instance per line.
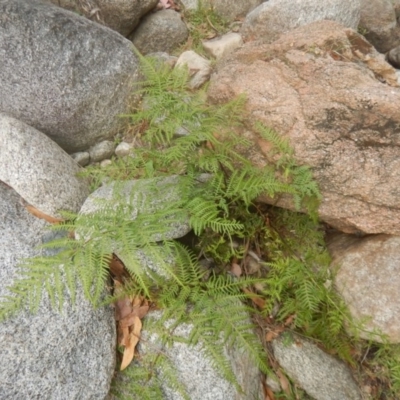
[141, 380]
[216, 189]
[303, 186]
[297, 281]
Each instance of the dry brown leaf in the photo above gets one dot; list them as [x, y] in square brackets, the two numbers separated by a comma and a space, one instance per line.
[39, 214]
[123, 308]
[142, 310]
[130, 319]
[236, 270]
[271, 335]
[136, 301]
[117, 269]
[290, 319]
[134, 337]
[285, 385]
[123, 336]
[268, 393]
[259, 302]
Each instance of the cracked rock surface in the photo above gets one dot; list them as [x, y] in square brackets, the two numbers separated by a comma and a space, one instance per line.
[327, 90]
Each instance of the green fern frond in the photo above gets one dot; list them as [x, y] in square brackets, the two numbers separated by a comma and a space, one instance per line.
[217, 191]
[280, 144]
[219, 360]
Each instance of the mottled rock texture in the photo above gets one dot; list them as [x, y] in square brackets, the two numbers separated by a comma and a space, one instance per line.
[144, 196]
[378, 23]
[319, 374]
[120, 15]
[328, 91]
[49, 355]
[66, 76]
[160, 31]
[368, 278]
[274, 17]
[196, 372]
[41, 172]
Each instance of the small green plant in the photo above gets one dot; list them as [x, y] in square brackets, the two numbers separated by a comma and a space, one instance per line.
[387, 359]
[299, 283]
[380, 368]
[203, 24]
[181, 134]
[362, 30]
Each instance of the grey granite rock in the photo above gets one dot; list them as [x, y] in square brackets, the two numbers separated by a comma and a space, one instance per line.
[230, 10]
[101, 151]
[160, 31]
[64, 75]
[81, 157]
[144, 196]
[120, 15]
[49, 355]
[123, 149]
[105, 163]
[274, 17]
[393, 57]
[195, 370]
[199, 68]
[319, 374]
[190, 4]
[223, 45]
[41, 172]
[379, 25]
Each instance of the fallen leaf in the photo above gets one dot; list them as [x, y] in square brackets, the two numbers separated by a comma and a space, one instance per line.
[258, 301]
[39, 214]
[117, 268]
[134, 337]
[136, 301]
[271, 335]
[123, 308]
[123, 336]
[285, 385]
[290, 319]
[259, 286]
[130, 319]
[236, 270]
[268, 393]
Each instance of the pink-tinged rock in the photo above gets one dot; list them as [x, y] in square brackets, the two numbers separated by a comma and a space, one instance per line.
[368, 279]
[327, 90]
